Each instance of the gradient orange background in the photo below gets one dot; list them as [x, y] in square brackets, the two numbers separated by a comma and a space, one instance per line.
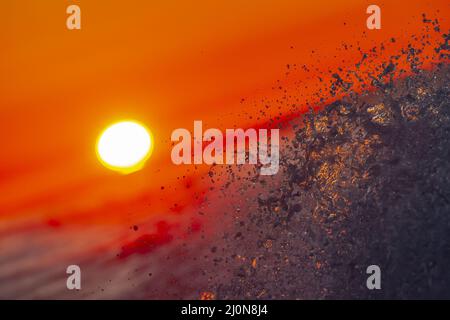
[165, 63]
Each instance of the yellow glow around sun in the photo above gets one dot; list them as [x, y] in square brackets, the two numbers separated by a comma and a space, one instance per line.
[124, 146]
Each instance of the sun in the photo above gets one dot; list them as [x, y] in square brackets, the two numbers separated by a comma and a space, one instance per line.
[124, 146]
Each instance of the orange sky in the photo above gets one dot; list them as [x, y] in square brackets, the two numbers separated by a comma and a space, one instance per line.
[164, 63]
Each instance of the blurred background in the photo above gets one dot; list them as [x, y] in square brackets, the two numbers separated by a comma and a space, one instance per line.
[166, 64]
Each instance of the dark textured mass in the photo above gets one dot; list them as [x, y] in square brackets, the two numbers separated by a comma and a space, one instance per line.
[364, 181]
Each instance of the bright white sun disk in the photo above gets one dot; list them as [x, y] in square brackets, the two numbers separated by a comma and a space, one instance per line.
[124, 146]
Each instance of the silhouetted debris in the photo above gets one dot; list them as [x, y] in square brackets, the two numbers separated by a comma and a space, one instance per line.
[364, 181]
